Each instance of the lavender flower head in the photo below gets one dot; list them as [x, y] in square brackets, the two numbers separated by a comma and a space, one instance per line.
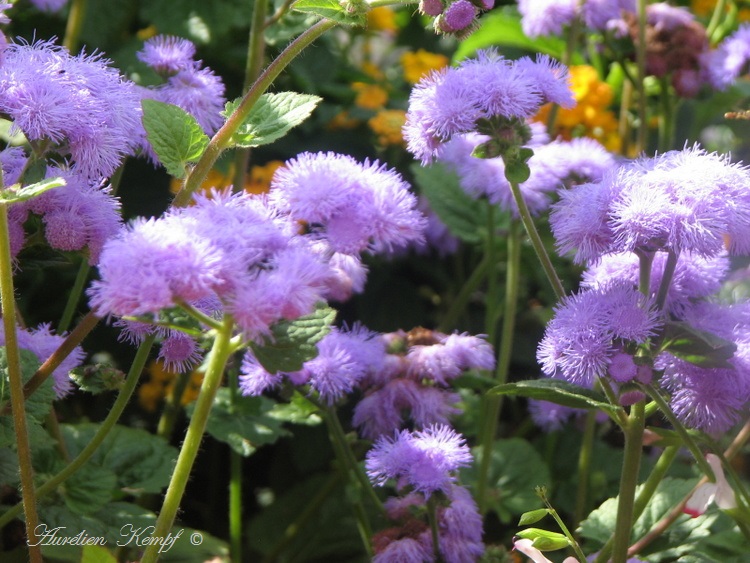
[79, 103]
[680, 201]
[354, 207]
[725, 64]
[424, 460]
[549, 17]
[454, 100]
[168, 54]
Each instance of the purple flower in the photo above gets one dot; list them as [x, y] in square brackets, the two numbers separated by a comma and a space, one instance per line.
[13, 160]
[550, 416]
[451, 101]
[179, 352]
[356, 207]
[459, 16]
[546, 17]
[425, 460]
[685, 200]
[199, 92]
[404, 550]
[581, 339]
[168, 54]
[79, 103]
[49, 5]
[460, 528]
[42, 343]
[667, 18]
[724, 65]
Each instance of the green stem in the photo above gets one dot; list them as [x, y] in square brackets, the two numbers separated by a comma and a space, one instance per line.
[340, 447]
[74, 25]
[640, 52]
[105, 427]
[628, 481]
[222, 139]
[459, 303]
[15, 381]
[217, 360]
[493, 403]
[645, 260]
[584, 467]
[716, 18]
[74, 297]
[491, 312]
[666, 118]
[666, 279]
[536, 241]
[434, 529]
[235, 482]
[173, 406]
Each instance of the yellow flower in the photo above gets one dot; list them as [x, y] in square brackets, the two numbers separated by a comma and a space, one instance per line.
[259, 179]
[369, 96]
[416, 65]
[381, 19]
[342, 120]
[160, 384]
[387, 125]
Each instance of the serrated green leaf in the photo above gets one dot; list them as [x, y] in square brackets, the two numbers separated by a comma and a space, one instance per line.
[502, 28]
[15, 194]
[516, 469]
[696, 346]
[245, 423]
[39, 403]
[557, 391]
[533, 516]
[292, 343]
[341, 12]
[466, 218]
[89, 489]
[271, 117]
[98, 378]
[174, 135]
[299, 410]
[141, 461]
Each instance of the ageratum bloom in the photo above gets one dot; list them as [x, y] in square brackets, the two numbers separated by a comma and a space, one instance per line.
[425, 460]
[679, 201]
[80, 104]
[354, 207]
[724, 65]
[451, 101]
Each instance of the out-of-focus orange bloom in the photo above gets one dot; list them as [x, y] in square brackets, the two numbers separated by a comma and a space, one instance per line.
[382, 18]
[160, 385]
[418, 64]
[369, 96]
[259, 179]
[387, 125]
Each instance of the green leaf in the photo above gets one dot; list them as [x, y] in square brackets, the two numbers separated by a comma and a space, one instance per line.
[502, 28]
[544, 540]
[245, 424]
[141, 461]
[98, 378]
[89, 489]
[40, 402]
[97, 554]
[348, 13]
[174, 135]
[292, 343]
[14, 194]
[198, 20]
[271, 117]
[533, 516]
[466, 218]
[696, 346]
[517, 171]
[557, 391]
[516, 469]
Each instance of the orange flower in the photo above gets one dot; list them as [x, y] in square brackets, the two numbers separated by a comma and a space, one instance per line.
[387, 125]
[369, 96]
[416, 65]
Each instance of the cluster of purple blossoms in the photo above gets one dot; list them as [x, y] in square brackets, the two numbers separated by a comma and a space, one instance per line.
[459, 100]
[553, 166]
[42, 343]
[81, 106]
[548, 17]
[725, 64]
[456, 17]
[424, 463]
[81, 215]
[196, 90]
[679, 201]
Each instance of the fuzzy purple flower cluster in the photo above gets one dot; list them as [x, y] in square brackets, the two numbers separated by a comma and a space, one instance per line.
[548, 17]
[452, 101]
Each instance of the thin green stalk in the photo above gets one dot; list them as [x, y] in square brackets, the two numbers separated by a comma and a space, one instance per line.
[173, 406]
[666, 120]
[340, 449]
[459, 303]
[666, 279]
[74, 25]
[584, 468]
[74, 296]
[640, 58]
[434, 529]
[628, 481]
[491, 299]
[105, 427]
[687, 439]
[15, 380]
[217, 360]
[716, 18]
[235, 483]
[536, 241]
[255, 53]
[221, 140]
[303, 517]
[493, 403]
[541, 491]
[645, 260]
